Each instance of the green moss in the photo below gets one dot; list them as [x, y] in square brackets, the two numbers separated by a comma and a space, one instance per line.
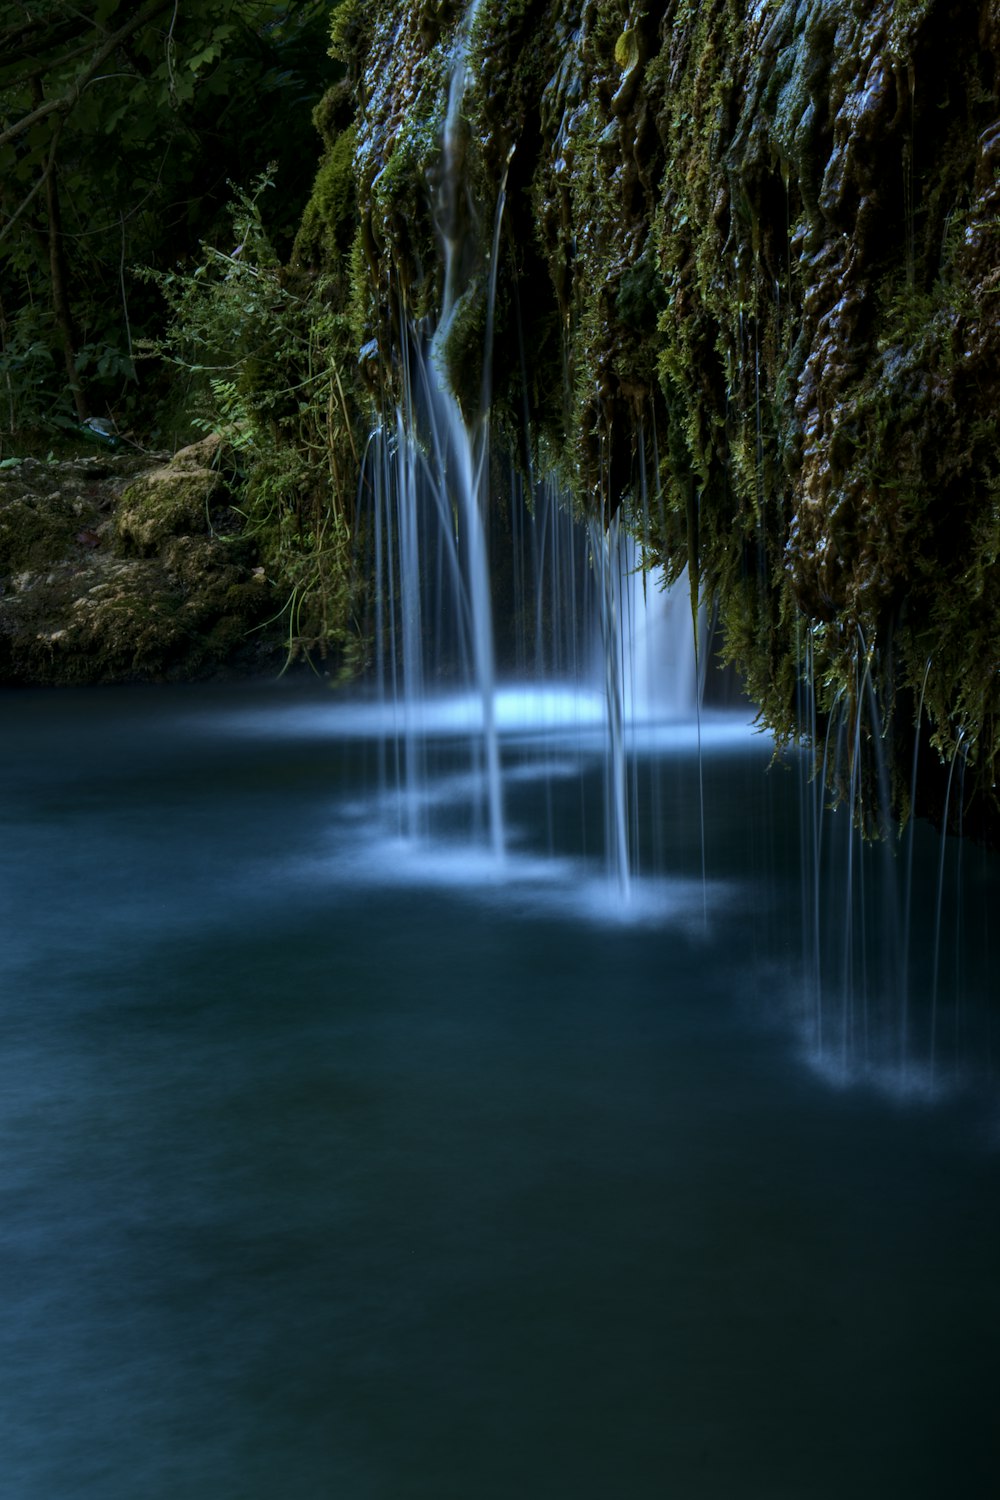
[350, 31]
[756, 241]
[463, 346]
[328, 223]
[31, 536]
[164, 504]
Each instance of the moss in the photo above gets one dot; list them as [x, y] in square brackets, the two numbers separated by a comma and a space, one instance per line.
[164, 504]
[31, 536]
[350, 31]
[749, 251]
[136, 622]
[328, 222]
[463, 347]
[639, 296]
[87, 609]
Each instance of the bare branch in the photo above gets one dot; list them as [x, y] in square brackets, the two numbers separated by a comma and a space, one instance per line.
[43, 178]
[26, 200]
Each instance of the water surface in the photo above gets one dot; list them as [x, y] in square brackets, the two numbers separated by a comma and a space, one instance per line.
[336, 1166]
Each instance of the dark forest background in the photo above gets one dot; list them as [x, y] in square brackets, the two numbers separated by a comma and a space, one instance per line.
[125, 131]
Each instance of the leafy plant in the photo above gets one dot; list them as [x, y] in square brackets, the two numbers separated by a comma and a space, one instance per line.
[261, 353]
[120, 125]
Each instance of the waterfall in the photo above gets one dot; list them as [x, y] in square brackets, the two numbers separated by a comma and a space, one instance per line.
[527, 658]
[426, 474]
[599, 641]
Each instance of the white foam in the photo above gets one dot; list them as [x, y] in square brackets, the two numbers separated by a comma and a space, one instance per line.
[520, 710]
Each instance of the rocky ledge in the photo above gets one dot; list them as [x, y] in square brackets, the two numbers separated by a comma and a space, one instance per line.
[128, 568]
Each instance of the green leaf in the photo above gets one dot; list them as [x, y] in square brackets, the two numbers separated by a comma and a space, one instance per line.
[183, 89]
[114, 119]
[206, 55]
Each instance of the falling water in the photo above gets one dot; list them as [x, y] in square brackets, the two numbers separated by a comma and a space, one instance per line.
[611, 599]
[426, 475]
[881, 1004]
[613, 636]
[533, 648]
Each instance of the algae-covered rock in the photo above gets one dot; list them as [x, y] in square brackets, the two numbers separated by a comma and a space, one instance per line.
[112, 571]
[177, 499]
[748, 262]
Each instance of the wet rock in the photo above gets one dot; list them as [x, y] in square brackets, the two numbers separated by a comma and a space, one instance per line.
[749, 272]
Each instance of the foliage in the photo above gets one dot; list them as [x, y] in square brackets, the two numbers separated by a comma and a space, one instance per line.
[260, 350]
[120, 126]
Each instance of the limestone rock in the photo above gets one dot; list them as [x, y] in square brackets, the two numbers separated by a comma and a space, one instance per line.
[115, 571]
[175, 500]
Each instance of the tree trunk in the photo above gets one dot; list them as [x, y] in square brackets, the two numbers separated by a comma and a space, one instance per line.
[60, 297]
[61, 308]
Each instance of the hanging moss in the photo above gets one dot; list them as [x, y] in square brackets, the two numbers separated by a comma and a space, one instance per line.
[749, 250]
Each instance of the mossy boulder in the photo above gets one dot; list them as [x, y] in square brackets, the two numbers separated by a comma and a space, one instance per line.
[113, 571]
[175, 500]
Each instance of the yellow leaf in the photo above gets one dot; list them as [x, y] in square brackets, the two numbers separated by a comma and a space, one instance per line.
[627, 51]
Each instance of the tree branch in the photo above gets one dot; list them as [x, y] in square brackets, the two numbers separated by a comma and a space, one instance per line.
[66, 101]
[30, 41]
[51, 65]
[26, 200]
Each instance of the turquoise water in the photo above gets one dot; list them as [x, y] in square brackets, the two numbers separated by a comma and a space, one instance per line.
[333, 1166]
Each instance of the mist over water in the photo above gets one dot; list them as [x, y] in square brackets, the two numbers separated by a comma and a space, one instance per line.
[339, 1161]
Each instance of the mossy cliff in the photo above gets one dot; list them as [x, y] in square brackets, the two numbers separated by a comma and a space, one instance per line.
[750, 254]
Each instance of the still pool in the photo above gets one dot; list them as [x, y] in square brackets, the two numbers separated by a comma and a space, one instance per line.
[334, 1164]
